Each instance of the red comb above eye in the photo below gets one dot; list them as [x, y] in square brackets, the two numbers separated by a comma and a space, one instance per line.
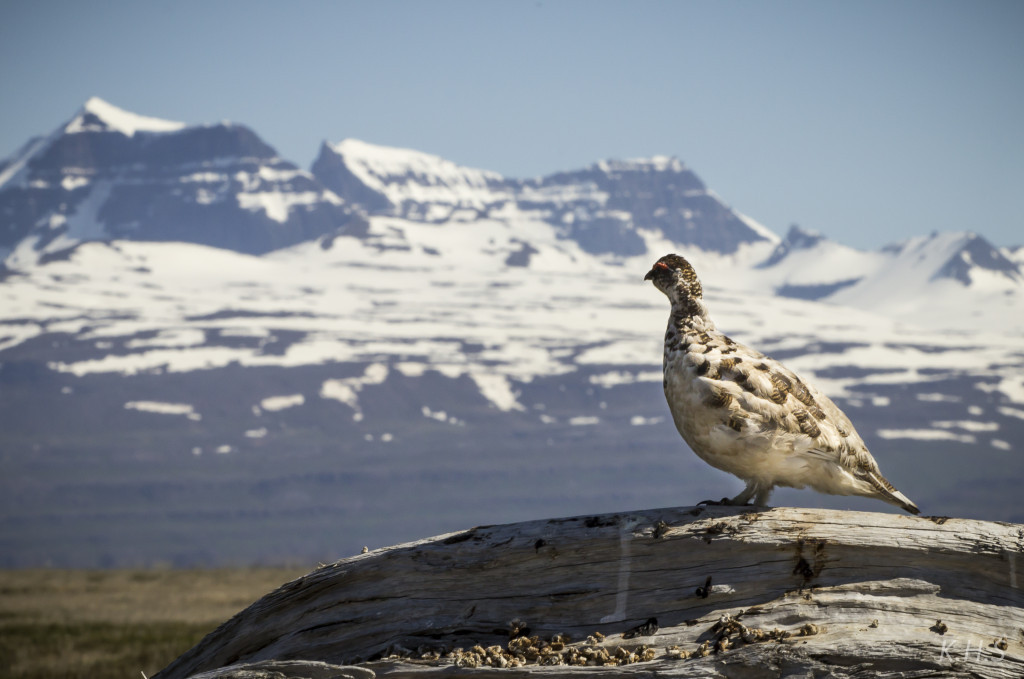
[660, 265]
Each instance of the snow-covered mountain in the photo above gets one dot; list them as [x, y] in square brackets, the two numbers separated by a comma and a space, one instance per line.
[110, 174]
[945, 280]
[616, 208]
[446, 347]
[1015, 254]
[409, 184]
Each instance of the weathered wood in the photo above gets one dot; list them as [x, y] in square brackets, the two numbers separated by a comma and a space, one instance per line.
[805, 592]
[285, 669]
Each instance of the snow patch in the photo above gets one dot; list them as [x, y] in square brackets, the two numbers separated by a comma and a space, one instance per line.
[172, 337]
[275, 403]
[441, 416]
[276, 204]
[619, 377]
[925, 435]
[584, 420]
[411, 369]
[162, 408]
[1011, 386]
[72, 182]
[641, 421]
[347, 390]
[967, 425]
[938, 398]
[497, 390]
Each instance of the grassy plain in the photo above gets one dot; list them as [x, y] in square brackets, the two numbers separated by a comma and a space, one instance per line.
[72, 624]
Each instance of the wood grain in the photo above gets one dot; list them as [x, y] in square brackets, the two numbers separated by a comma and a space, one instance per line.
[803, 592]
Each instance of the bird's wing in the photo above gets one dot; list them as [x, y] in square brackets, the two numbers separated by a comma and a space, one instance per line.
[756, 395]
[771, 398]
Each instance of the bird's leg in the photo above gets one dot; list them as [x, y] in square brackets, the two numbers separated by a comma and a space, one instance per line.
[762, 496]
[743, 498]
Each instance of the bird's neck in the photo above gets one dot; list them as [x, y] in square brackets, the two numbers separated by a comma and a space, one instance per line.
[690, 313]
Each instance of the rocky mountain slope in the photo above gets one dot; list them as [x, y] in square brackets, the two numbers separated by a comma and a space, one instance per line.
[110, 174]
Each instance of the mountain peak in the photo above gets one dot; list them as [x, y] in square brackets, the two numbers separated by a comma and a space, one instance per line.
[389, 161]
[652, 164]
[972, 254]
[97, 115]
[412, 183]
[797, 238]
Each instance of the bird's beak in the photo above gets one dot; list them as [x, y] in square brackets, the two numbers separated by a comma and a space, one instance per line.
[654, 270]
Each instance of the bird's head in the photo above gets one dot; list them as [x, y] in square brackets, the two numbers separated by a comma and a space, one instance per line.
[674, 276]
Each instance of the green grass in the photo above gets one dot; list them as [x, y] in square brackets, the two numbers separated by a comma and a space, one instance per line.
[60, 624]
[79, 650]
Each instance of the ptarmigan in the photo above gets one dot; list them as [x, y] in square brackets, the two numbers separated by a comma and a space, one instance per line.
[749, 415]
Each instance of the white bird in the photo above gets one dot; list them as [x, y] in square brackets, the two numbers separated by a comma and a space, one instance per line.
[747, 414]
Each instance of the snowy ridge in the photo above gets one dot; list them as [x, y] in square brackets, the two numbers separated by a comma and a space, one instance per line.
[808, 266]
[942, 280]
[940, 284]
[603, 207]
[407, 177]
[652, 164]
[98, 115]
[759, 228]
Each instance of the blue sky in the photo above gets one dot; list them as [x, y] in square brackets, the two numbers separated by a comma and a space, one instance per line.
[870, 121]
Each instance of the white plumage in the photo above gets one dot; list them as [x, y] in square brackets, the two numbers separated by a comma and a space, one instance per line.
[748, 414]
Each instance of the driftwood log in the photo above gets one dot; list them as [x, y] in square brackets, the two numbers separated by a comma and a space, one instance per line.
[686, 592]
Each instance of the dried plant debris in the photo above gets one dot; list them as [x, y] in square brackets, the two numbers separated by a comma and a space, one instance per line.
[729, 630]
[647, 629]
[557, 651]
[517, 628]
[597, 649]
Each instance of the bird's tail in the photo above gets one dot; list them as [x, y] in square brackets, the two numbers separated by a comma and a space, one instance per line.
[887, 492]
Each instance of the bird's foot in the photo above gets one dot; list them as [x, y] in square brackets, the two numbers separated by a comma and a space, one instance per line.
[724, 502]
